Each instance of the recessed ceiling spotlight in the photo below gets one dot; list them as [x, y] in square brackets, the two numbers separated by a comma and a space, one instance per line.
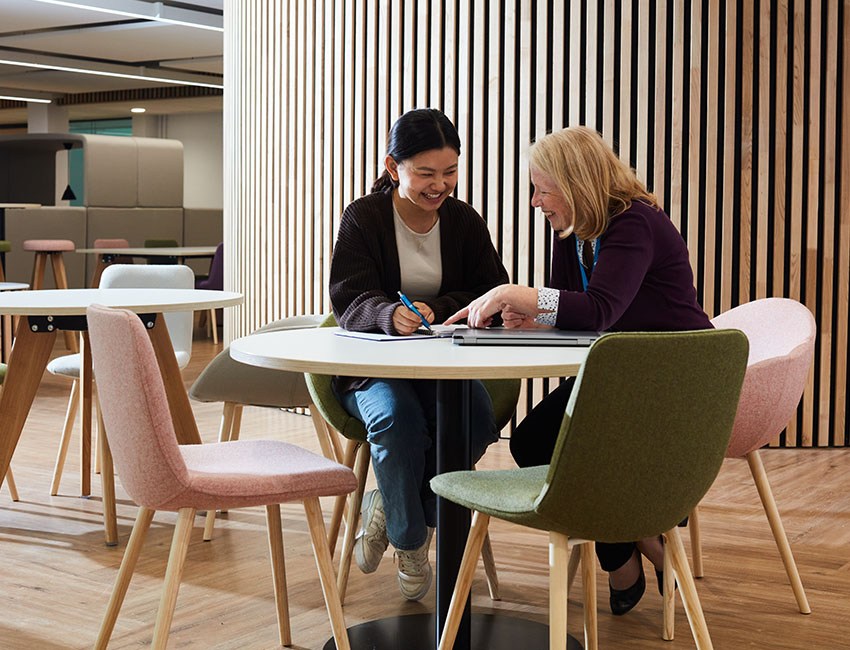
[137, 109]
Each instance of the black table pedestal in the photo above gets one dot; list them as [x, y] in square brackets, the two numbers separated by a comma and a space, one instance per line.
[416, 632]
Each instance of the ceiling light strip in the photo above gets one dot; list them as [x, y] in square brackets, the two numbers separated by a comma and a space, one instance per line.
[26, 99]
[104, 73]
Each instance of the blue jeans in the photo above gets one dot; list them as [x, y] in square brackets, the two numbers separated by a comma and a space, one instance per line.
[400, 416]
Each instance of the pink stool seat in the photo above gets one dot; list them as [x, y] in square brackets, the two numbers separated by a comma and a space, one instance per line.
[111, 243]
[48, 245]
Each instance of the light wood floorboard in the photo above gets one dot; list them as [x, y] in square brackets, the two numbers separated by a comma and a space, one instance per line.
[57, 573]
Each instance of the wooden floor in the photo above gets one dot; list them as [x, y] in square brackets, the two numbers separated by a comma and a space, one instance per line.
[57, 574]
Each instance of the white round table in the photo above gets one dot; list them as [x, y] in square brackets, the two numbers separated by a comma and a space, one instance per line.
[44, 313]
[6, 328]
[321, 351]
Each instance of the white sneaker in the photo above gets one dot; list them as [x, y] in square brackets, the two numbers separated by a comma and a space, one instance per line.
[414, 570]
[371, 541]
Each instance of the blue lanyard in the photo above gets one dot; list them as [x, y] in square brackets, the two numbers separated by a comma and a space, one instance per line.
[581, 264]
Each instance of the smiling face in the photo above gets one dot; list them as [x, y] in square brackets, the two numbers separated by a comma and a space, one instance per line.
[551, 201]
[426, 179]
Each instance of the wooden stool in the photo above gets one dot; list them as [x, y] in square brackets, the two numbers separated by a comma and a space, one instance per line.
[53, 249]
[5, 247]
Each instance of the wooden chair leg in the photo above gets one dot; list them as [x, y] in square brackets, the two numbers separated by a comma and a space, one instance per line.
[61, 280]
[361, 469]
[688, 589]
[173, 575]
[588, 576]
[340, 511]
[669, 597]
[236, 429]
[10, 483]
[85, 382]
[775, 521]
[490, 569]
[67, 428]
[323, 434]
[214, 326]
[558, 561]
[125, 573]
[477, 532]
[107, 481]
[278, 573]
[227, 414]
[98, 432]
[38, 269]
[572, 567]
[333, 601]
[696, 542]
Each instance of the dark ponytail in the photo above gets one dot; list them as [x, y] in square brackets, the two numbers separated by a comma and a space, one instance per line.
[418, 130]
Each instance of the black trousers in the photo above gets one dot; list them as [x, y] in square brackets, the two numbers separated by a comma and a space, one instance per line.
[533, 442]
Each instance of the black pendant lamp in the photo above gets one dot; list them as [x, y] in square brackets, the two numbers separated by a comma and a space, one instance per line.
[68, 194]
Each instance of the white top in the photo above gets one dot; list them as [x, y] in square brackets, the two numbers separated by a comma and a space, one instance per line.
[168, 251]
[320, 351]
[73, 302]
[13, 286]
[420, 259]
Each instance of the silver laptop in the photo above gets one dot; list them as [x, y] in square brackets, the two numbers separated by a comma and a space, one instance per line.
[519, 336]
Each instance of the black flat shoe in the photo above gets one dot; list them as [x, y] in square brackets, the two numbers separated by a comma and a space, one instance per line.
[623, 600]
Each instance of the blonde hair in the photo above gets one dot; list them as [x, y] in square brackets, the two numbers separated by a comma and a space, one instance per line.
[595, 184]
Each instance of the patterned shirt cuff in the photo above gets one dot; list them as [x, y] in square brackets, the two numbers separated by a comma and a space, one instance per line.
[547, 299]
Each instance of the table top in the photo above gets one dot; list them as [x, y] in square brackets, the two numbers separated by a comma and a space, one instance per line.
[73, 302]
[13, 286]
[167, 251]
[320, 351]
[3, 206]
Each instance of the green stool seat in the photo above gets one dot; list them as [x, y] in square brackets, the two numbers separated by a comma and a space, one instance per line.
[5, 246]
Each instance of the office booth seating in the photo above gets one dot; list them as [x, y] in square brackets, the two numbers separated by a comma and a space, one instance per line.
[782, 334]
[503, 393]
[120, 276]
[664, 402]
[159, 474]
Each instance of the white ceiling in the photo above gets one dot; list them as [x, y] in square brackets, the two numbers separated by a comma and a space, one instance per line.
[41, 32]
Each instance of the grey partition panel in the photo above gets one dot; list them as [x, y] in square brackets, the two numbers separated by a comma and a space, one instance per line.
[202, 227]
[45, 223]
[160, 171]
[133, 224]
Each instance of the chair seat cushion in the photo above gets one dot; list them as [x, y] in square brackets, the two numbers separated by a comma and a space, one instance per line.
[69, 365]
[5, 246]
[245, 473]
[48, 245]
[508, 494]
[2, 372]
[65, 366]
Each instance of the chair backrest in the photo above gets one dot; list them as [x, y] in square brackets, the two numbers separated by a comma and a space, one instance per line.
[328, 405]
[227, 380]
[161, 276]
[215, 280]
[782, 335]
[135, 407]
[644, 433]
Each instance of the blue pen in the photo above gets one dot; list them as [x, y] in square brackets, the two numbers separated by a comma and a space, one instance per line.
[406, 302]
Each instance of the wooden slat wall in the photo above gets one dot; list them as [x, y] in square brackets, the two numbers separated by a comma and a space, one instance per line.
[734, 113]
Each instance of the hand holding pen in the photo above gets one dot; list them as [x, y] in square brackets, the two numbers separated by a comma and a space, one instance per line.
[414, 316]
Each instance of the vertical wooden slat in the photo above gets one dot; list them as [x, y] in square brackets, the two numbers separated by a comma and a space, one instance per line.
[780, 143]
[642, 91]
[661, 116]
[678, 108]
[712, 103]
[745, 168]
[625, 81]
[693, 136]
[592, 65]
[764, 170]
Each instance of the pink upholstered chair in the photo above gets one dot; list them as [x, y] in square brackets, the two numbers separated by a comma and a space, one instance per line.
[782, 339]
[108, 243]
[159, 474]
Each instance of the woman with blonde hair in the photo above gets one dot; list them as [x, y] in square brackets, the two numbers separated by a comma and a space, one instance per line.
[618, 264]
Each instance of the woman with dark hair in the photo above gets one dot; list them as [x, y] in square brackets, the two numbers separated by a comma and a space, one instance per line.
[409, 235]
[618, 264]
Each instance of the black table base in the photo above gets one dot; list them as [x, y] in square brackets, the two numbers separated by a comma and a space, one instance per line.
[416, 632]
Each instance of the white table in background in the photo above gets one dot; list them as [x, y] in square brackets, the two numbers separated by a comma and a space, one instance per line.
[321, 351]
[43, 313]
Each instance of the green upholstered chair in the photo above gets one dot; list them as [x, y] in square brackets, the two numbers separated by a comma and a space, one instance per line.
[10, 480]
[643, 437]
[503, 393]
[238, 384]
[161, 243]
